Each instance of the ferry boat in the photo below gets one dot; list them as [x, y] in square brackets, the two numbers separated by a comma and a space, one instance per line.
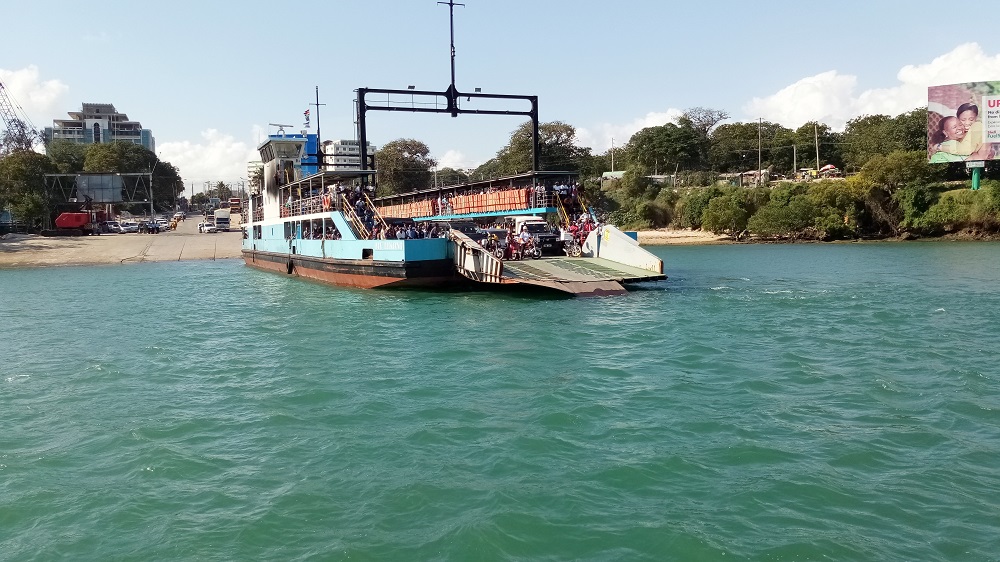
[326, 225]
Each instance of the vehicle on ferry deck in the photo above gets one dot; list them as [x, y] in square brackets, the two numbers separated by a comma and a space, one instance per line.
[468, 228]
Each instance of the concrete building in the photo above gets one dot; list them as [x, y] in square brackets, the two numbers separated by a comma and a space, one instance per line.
[344, 154]
[99, 123]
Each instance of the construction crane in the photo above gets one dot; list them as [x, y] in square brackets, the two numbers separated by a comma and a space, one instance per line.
[18, 128]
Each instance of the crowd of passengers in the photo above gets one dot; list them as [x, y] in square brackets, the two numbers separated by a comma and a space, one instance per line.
[407, 232]
[543, 196]
[581, 221]
[320, 233]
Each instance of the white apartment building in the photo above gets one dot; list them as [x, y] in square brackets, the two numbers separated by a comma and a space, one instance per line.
[99, 123]
[344, 154]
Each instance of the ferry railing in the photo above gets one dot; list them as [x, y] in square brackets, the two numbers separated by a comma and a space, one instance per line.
[355, 221]
[585, 206]
[377, 215]
[475, 262]
[564, 219]
[304, 206]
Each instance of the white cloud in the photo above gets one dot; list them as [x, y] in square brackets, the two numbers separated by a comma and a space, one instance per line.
[101, 37]
[830, 97]
[826, 97]
[38, 99]
[456, 160]
[218, 157]
[605, 134]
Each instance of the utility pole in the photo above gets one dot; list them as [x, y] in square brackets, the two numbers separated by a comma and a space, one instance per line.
[760, 158]
[612, 154]
[795, 160]
[816, 136]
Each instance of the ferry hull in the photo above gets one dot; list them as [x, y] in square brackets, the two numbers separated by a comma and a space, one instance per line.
[365, 274]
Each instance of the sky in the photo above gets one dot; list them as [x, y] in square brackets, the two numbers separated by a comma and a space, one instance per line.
[208, 77]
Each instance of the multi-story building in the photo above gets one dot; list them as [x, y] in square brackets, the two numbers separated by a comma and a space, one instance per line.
[99, 123]
[255, 173]
[344, 154]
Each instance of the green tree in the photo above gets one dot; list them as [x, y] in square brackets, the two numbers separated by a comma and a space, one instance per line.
[556, 147]
[403, 165]
[879, 180]
[910, 129]
[734, 146]
[450, 176]
[804, 138]
[22, 184]
[119, 157]
[692, 204]
[167, 183]
[702, 121]
[725, 215]
[222, 190]
[68, 156]
[664, 148]
[872, 135]
[18, 137]
[789, 213]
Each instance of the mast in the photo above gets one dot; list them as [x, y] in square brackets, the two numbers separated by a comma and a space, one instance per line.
[320, 156]
[451, 18]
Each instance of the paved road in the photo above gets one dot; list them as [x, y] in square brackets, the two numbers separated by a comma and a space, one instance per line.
[185, 243]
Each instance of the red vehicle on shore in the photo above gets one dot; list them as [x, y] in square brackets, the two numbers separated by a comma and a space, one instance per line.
[77, 223]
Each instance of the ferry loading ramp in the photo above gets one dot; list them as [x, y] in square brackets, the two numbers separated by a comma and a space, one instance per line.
[612, 260]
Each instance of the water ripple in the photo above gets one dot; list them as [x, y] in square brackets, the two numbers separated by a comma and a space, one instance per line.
[766, 402]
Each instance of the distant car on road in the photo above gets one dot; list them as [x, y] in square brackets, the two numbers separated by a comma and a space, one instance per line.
[206, 227]
[113, 227]
[129, 227]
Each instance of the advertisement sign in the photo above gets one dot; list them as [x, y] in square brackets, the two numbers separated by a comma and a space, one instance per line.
[99, 188]
[963, 122]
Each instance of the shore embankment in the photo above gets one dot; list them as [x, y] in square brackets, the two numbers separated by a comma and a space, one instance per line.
[185, 243]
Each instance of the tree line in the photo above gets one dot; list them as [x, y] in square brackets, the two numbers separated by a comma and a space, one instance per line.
[23, 187]
[676, 175]
[890, 189]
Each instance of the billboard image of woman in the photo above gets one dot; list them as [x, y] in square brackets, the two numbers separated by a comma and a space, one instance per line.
[963, 122]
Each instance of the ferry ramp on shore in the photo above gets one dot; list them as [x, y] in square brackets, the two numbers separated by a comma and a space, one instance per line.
[608, 268]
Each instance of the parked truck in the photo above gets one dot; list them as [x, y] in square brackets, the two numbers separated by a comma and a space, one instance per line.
[222, 220]
[77, 223]
[548, 240]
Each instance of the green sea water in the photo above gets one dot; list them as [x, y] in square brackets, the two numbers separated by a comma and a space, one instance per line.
[766, 402]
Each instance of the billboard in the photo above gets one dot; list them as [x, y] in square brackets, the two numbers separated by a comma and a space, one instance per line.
[99, 188]
[963, 122]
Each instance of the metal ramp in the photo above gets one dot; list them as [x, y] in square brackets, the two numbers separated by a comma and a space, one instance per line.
[578, 276]
[586, 276]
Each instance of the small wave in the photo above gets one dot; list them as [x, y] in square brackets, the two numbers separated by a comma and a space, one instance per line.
[13, 378]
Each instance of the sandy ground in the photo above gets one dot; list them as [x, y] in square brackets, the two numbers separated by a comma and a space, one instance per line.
[185, 243]
[681, 236]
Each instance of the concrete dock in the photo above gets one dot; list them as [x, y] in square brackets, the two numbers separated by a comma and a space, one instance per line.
[185, 243]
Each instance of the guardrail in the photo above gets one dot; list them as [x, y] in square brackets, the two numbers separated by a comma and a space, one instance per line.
[473, 261]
